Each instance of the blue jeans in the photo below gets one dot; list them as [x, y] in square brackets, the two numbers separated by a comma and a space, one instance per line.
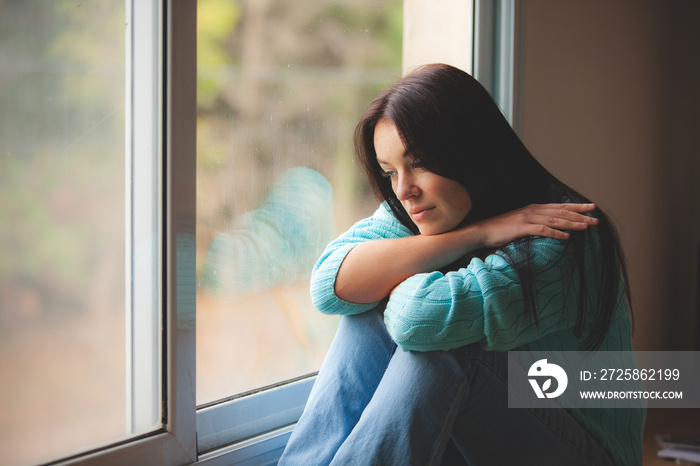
[374, 404]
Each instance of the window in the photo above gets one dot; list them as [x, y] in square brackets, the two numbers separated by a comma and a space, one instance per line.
[114, 231]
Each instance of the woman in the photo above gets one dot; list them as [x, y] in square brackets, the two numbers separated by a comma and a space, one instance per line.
[475, 250]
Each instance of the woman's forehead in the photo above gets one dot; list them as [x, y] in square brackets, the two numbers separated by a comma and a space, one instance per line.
[388, 144]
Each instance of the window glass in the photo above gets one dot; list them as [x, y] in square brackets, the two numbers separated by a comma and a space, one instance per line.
[64, 256]
[281, 86]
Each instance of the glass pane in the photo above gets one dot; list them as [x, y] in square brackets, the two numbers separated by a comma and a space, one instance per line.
[281, 86]
[64, 205]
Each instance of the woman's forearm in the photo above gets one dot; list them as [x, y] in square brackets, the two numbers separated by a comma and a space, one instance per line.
[372, 269]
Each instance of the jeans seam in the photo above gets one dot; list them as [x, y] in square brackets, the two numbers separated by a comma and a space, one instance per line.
[449, 420]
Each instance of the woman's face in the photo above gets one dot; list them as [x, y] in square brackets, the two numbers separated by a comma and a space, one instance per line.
[436, 204]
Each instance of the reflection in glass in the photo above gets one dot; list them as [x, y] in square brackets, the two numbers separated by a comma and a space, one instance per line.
[281, 86]
[276, 244]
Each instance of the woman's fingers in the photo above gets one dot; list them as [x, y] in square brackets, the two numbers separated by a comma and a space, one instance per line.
[552, 233]
[548, 220]
[562, 208]
[568, 206]
[567, 223]
[561, 216]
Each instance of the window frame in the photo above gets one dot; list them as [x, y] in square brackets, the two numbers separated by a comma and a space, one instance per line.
[495, 29]
[143, 181]
[227, 435]
[175, 442]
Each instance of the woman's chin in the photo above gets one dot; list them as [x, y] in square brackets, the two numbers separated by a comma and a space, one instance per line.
[430, 230]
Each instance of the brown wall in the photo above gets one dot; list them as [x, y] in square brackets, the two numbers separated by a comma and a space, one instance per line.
[608, 98]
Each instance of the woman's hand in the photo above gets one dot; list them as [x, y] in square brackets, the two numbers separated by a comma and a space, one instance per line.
[546, 220]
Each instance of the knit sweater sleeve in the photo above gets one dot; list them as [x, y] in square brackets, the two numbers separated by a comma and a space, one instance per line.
[483, 303]
[381, 225]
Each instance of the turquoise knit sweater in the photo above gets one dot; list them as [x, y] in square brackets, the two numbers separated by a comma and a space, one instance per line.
[482, 303]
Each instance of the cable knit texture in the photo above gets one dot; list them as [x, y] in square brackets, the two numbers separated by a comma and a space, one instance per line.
[483, 303]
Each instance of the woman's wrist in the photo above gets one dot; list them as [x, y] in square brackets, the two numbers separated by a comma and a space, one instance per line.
[467, 239]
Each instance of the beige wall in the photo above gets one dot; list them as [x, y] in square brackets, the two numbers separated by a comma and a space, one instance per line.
[453, 43]
[608, 98]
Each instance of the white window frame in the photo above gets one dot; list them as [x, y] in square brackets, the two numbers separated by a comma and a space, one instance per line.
[495, 50]
[175, 443]
[250, 429]
[143, 181]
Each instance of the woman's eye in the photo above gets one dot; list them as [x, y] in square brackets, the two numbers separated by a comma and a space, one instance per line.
[389, 174]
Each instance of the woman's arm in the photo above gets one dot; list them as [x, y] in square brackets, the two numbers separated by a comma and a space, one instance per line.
[380, 226]
[372, 269]
[484, 303]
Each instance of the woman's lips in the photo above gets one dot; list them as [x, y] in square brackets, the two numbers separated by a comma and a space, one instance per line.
[418, 214]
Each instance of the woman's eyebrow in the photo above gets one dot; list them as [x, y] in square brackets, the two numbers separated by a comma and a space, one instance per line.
[382, 162]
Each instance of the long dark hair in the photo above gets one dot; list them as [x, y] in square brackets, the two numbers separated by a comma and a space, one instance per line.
[451, 124]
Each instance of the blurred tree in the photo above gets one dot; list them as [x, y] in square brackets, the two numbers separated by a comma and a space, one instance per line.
[216, 20]
[294, 80]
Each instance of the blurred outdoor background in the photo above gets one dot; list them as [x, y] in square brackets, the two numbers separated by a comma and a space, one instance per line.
[281, 85]
[62, 196]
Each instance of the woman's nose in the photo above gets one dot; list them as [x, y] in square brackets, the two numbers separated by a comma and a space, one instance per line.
[406, 187]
